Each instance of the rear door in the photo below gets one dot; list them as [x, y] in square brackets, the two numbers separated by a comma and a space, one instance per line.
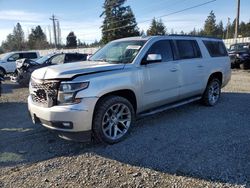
[191, 67]
[161, 79]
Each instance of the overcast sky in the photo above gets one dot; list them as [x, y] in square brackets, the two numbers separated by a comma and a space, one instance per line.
[82, 16]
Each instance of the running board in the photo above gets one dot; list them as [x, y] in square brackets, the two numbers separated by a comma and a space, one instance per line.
[167, 107]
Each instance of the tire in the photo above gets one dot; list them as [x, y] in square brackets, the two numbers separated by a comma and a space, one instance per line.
[24, 79]
[212, 93]
[244, 66]
[109, 126]
[2, 72]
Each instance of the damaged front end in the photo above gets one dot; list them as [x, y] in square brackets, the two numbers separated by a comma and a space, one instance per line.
[23, 72]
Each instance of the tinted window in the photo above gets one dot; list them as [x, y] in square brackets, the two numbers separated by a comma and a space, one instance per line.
[30, 55]
[188, 49]
[216, 48]
[58, 59]
[82, 57]
[75, 57]
[162, 47]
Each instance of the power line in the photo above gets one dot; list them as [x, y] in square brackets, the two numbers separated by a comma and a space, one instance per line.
[131, 18]
[165, 15]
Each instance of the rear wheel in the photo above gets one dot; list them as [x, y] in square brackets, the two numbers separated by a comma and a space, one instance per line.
[212, 93]
[112, 120]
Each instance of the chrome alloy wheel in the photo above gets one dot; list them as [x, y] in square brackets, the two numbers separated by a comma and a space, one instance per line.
[116, 121]
[214, 92]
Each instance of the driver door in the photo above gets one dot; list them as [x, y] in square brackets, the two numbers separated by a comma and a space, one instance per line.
[160, 79]
[11, 62]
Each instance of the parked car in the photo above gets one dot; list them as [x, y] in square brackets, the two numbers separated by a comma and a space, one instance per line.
[1, 79]
[240, 55]
[26, 66]
[8, 60]
[127, 78]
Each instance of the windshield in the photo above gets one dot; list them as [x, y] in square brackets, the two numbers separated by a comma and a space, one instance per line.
[118, 52]
[2, 56]
[43, 59]
[239, 47]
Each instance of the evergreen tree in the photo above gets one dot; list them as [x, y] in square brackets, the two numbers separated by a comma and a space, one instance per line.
[210, 25]
[243, 29]
[18, 35]
[142, 33]
[156, 28]
[232, 29]
[194, 32]
[182, 33]
[37, 39]
[220, 30]
[71, 40]
[14, 41]
[119, 21]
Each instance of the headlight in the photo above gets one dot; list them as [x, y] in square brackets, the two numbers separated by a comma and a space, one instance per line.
[68, 91]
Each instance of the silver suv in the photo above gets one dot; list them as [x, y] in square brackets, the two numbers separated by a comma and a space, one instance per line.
[126, 79]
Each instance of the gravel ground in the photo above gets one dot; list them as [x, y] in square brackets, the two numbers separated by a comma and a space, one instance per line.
[190, 146]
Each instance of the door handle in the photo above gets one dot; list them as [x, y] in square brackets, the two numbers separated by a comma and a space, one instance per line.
[173, 69]
[200, 66]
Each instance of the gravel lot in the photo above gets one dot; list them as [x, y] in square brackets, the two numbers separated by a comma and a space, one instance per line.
[190, 146]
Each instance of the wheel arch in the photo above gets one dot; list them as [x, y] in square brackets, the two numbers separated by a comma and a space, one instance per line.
[1, 68]
[125, 93]
[217, 75]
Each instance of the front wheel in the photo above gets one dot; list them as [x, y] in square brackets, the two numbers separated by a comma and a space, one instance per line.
[212, 93]
[245, 65]
[2, 73]
[113, 118]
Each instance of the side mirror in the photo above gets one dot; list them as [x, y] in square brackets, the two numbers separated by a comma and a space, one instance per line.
[152, 58]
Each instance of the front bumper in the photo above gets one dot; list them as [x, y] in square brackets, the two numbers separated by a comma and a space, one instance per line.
[76, 118]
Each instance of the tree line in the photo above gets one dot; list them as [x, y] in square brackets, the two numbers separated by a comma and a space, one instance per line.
[118, 22]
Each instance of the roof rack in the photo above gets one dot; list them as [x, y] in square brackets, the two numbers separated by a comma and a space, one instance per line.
[200, 36]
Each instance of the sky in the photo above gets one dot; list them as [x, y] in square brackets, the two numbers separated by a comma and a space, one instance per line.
[83, 16]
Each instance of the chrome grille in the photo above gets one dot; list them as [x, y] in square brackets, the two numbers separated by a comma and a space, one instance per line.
[44, 93]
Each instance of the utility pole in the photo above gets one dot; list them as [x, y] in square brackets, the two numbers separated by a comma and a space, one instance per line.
[237, 21]
[58, 33]
[228, 25]
[49, 29]
[54, 28]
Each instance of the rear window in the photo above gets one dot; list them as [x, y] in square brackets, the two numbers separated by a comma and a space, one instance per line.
[188, 49]
[216, 48]
[75, 57]
[30, 55]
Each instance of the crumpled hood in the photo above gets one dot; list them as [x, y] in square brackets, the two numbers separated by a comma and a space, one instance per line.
[69, 70]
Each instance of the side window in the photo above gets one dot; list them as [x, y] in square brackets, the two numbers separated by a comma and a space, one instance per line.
[72, 58]
[188, 49]
[82, 57]
[216, 48]
[163, 48]
[30, 55]
[14, 57]
[59, 59]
